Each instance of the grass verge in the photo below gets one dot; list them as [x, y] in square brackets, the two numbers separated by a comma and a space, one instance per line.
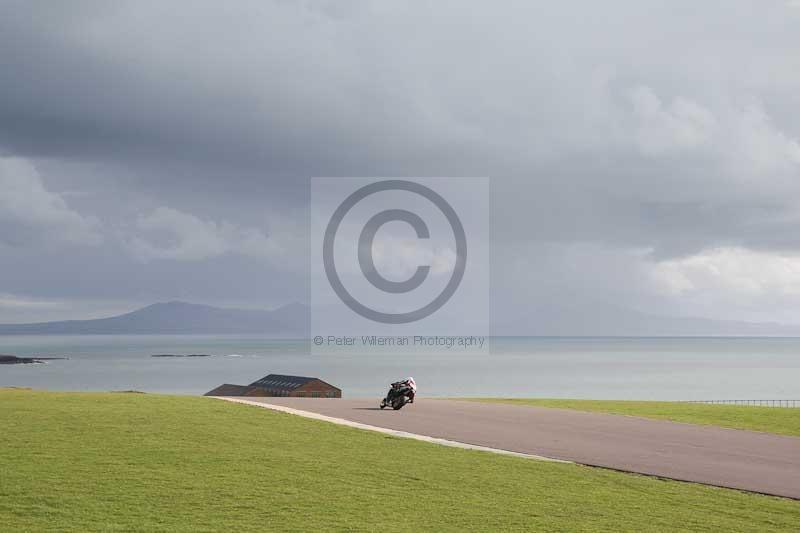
[783, 421]
[133, 462]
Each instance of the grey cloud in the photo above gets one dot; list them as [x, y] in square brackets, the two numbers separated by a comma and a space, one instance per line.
[30, 215]
[644, 131]
[169, 234]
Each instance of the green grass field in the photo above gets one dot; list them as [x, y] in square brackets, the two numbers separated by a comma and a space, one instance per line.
[134, 462]
[784, 421]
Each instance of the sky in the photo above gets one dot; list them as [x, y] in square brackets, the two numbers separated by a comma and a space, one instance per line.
[643, 155]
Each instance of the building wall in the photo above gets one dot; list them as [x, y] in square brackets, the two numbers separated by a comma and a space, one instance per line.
[312, 389]
[317, 389]
[258, 391]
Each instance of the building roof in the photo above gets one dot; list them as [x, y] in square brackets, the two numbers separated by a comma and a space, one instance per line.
[228, 390]
[281, 382]
[273, 384]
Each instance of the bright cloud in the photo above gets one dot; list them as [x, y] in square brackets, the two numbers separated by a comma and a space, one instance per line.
[745, 140]
[32, 215]
[734, 270]
[167, 233]
[766, 147]
[399, 258]
[682, 124]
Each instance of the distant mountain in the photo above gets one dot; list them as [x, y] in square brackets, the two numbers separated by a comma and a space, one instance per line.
[292, 321]
[179, 318]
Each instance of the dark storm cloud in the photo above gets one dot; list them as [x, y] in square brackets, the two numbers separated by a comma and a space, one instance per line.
[655, 129]
[230, 87]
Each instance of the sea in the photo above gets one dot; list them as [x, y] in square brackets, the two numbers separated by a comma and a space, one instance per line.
[544, 367]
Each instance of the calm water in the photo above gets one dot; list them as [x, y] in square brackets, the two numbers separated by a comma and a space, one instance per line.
[625, 368]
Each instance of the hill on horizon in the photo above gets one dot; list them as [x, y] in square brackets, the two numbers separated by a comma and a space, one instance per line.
[178, 318]
[293, 321]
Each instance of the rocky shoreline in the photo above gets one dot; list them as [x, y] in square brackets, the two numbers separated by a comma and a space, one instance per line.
[181, 355]
[14, 360]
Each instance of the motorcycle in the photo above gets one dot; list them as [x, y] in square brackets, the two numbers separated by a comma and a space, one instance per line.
[399, 395]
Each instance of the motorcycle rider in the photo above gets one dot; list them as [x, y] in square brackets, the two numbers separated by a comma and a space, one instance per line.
[411, 384]
[408, 384]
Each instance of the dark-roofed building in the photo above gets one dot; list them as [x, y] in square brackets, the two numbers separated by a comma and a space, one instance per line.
[281, 385]
[229, 390]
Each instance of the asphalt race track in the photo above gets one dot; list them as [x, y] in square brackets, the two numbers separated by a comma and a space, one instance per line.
[747, 460]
